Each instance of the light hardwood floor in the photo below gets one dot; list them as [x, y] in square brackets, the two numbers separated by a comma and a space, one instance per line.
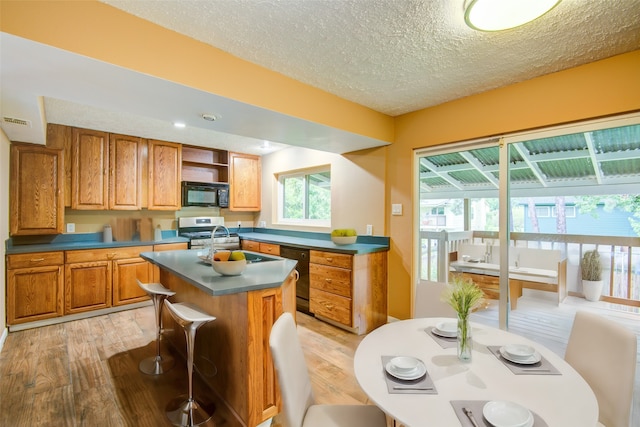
[84, 373]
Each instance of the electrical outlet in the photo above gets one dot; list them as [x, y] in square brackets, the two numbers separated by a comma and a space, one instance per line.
[239, 224]
[71, 227]
[369, 230]
[396, 209]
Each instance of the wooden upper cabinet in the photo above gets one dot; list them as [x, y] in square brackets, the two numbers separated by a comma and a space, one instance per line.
[244, 182]
[36, 190]
[89, 181]
[125, 173]
[164, 163]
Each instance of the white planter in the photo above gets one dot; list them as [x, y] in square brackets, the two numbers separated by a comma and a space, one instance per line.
[592, 289]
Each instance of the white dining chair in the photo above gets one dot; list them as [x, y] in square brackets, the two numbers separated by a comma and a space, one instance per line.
[428, 301]
[604, 353]
[298, 402]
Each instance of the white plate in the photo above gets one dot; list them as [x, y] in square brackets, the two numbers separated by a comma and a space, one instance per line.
[507, 414]
[519, 351]
[534, 358]
[418, 372]
[404, 364]
[446, 329]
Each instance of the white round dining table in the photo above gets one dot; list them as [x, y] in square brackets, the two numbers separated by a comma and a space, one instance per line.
[563, 400]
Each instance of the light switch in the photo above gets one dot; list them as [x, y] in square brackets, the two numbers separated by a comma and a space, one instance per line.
[396, 209]
[71, 227]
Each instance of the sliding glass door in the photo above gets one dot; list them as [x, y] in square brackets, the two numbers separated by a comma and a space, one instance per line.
[517, 213]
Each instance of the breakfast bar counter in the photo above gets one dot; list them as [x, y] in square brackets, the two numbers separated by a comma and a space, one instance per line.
[234, 347]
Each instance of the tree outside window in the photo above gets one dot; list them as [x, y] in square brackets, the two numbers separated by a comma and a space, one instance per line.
[305, 197]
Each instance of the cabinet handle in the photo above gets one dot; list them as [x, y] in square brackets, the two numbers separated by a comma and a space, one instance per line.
[36, 260]
[111, 255]
[329, 306]
[327, 280]
[297, 275]
[329, 259]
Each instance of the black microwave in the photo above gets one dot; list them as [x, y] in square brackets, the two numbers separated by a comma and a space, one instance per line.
[205, 194]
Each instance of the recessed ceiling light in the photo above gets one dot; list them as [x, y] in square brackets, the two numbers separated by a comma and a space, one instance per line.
[265, 145]
[496, 15]
[179, 124]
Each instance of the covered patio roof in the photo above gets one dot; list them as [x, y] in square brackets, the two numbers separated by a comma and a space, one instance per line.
[605, 161]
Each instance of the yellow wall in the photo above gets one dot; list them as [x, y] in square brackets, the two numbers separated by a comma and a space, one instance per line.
[105, 33]
[4, 224]
[602, 88]
[357, 186]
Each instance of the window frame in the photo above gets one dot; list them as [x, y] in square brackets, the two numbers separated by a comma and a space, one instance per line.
[279, 203]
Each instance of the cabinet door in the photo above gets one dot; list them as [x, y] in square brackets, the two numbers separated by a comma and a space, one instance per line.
[125, 285]
[36, 183]
[165, 161]
[87, 286]
[89, 181]
[34, 293]
[125, 174]
[244, 182]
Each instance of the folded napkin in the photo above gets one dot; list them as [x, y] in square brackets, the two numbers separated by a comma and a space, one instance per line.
[445, 342]
[422, 385]
[543, 367]
[476, 407]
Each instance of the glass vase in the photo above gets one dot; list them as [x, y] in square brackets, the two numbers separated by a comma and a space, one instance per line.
[465, 342]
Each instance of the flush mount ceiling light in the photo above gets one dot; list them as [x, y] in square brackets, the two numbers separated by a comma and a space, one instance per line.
[210, 117]
[179, 124]
[496, 15]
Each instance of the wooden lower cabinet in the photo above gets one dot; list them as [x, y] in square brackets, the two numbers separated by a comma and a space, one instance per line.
[35, 284]
[262, 247]
[87, 286]
[250, 245]
[126, 273]
[349, 290]
[102, 278]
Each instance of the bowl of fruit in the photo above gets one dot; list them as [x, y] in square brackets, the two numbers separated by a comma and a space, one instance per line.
[344, 236]
[229, 263]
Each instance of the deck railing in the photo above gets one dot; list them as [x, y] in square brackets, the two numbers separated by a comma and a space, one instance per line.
[620, 258]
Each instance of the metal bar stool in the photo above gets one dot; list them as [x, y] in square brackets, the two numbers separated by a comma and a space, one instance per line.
[156, 365]
[187, 411]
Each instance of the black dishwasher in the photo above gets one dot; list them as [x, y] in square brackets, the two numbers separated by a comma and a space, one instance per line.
[302, 286]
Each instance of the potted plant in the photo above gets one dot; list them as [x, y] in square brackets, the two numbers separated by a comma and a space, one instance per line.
[591, 268]
[463, 296]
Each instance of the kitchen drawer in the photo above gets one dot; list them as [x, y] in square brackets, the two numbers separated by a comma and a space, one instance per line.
[35, 259]
[250, 245]
[331, 306]
[170, 247]
[330, 279]
[88, 255]
[268, 248]
[331, 258]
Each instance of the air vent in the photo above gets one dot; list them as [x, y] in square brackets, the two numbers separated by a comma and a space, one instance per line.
[14, 121]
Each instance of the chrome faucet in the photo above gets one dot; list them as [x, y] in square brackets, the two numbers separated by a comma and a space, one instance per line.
[213, 235]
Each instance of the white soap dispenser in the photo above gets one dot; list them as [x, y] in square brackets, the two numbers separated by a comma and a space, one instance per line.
[107, 235]
[157, 233]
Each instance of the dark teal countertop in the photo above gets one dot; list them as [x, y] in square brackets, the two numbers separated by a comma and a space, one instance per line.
[186, 265]
[69, 242]
[320, 241]
[298, 239]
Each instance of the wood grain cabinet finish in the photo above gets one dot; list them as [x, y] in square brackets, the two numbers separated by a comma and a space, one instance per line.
[35, 283]
[164, 163]
[102, 278]
[349, 290]
[90, 164]
[244, 182]
[250, 245]
[36, 190]
[125, 172]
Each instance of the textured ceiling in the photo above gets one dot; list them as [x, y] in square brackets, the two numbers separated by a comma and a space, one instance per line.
[393, 56]
[397, 56]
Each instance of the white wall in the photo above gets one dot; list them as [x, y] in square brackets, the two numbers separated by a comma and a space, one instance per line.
[4, 227]
[357, 186]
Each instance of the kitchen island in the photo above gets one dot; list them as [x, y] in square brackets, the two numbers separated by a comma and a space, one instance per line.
[237, 342]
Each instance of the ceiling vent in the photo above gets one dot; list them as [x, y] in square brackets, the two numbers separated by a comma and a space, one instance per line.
[14, 121]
